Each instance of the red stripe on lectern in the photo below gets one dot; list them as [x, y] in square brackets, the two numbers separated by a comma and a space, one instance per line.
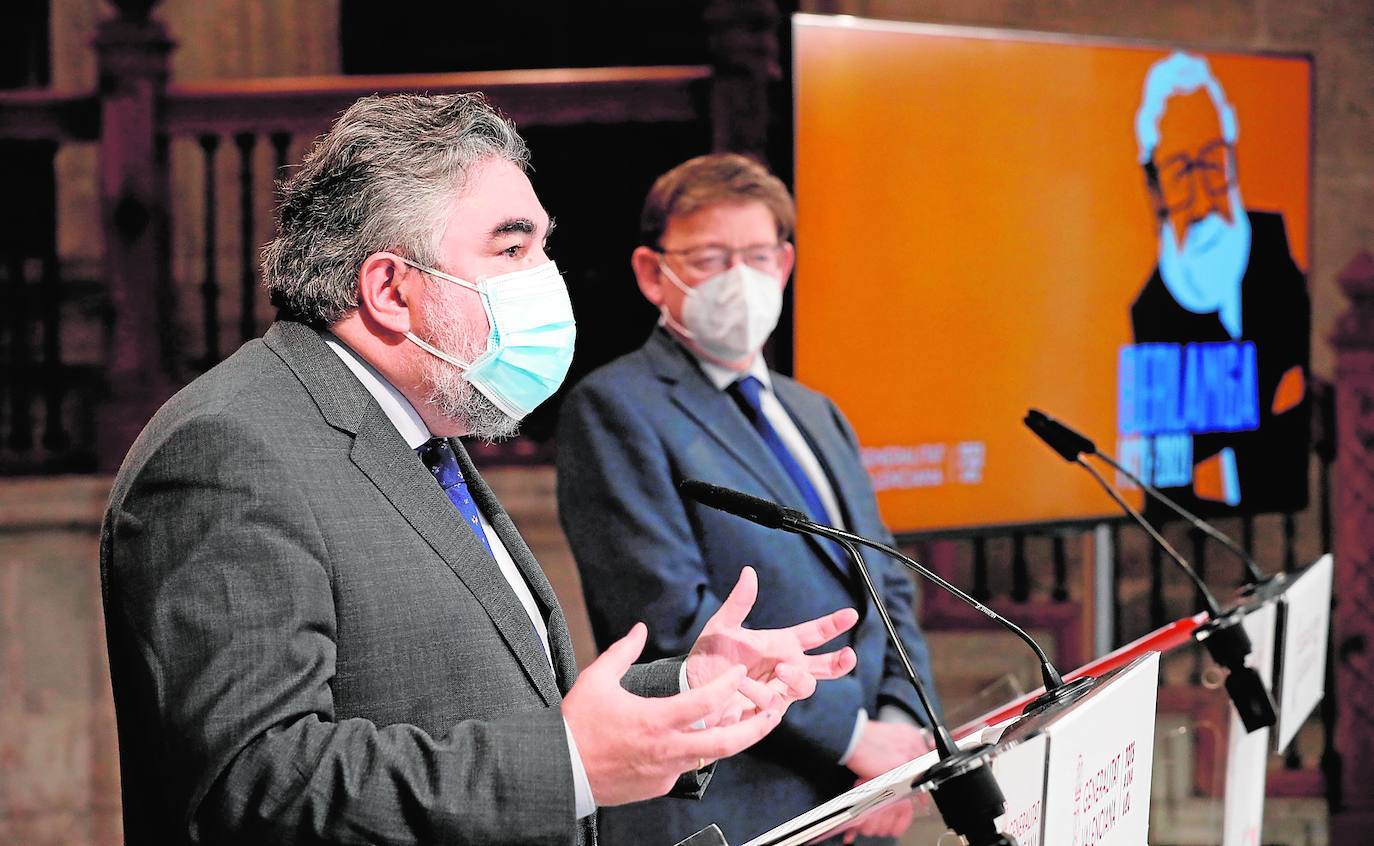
[1162, 640]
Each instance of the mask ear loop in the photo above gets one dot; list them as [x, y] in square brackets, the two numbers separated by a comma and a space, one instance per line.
[464, 366]
[663, 307]
[438, 353]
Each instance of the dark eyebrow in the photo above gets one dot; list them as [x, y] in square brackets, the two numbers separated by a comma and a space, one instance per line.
[521, 225]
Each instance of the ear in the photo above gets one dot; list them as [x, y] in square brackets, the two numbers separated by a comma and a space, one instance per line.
[787, 259]
[644, 262]
[384, 282]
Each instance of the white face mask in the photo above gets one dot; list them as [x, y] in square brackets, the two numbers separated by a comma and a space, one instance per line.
[730, 315]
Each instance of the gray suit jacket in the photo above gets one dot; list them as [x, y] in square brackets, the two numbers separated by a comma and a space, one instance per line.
[306, 642]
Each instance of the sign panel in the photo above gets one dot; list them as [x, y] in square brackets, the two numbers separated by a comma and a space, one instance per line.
[1305, 622]
[1097, 783]
[1247, 755]
[1115, 233]
[1020, 772]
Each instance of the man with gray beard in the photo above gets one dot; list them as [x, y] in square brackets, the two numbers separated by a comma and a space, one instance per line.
[322, 626]
[1232, 441]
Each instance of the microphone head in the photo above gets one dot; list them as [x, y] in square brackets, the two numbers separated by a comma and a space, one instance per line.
[1060, 438]
[1253, 703]
[751, 508]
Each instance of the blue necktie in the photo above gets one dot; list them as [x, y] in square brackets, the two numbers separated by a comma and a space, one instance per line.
[439, 458]
[747, 392]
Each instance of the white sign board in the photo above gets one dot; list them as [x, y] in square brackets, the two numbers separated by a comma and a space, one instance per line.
[1305, 620]
[1097, 782]
[1247, 755]
[1020, 772]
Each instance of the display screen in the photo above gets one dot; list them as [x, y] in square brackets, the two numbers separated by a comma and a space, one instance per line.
[1117, 234]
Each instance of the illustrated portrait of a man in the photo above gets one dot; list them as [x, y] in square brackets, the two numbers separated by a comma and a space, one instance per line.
[1212, 402]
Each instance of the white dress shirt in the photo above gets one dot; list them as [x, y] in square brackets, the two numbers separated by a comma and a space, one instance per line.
[413, 429]
[792, 438]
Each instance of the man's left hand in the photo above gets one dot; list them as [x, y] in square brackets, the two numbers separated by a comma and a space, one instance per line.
[774, 657]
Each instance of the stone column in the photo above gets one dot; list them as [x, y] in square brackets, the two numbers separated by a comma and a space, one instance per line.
[1353, 617]
[133, 55]
[742, 40]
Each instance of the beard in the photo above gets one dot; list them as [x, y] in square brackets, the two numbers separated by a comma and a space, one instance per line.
[1205, 275]
[446, 389]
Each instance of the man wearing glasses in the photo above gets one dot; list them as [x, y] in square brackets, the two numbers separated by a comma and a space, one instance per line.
[698, 401]
[1221, 327]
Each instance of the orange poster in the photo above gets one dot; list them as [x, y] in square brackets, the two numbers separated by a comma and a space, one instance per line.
[1115, 233]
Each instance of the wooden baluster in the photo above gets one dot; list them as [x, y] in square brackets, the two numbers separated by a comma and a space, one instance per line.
[21, 357]
[281, 145]
[42, 211]
[248, 324]
[981, 591]
[1159, 611]
[1020, 570]
[1117, 638]
[1324, 445]
[1290, 536]
[1061, 570]
[56, 438]
[209, 288]
[1198, 541]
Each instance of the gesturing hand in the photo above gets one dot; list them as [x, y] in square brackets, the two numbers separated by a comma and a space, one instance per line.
[773, 657]
[634, 748]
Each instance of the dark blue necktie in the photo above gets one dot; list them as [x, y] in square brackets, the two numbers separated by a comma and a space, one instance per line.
[747, 392]
[439, 458]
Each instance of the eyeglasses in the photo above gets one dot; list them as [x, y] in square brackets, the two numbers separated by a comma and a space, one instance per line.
[1174, 177]
[710, 259]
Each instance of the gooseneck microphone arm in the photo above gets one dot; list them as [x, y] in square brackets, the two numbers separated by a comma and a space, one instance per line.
[1224, 634]
[962, 783]
[1070, 444]
[944, 741]
[1213, 610]
[1253, 575]
[775, 516]
[1048, 672]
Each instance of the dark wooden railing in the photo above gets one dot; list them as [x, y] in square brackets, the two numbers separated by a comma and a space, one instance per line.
[155, 317]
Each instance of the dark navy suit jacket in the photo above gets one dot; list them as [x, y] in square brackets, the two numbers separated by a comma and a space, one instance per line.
[628, 434]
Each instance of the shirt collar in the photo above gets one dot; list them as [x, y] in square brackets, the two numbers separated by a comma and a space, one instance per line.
[394, 404]
[724, 377]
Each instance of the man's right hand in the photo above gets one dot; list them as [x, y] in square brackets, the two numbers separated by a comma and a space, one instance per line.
[886, 746]
[882, 747]
[635, 748]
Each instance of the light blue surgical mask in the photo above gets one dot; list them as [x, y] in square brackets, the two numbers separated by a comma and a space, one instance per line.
[531, 342]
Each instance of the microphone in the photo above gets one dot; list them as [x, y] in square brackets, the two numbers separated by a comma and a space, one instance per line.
[962, 783]
[1070, 443]
[775, 516]
[1224, 634]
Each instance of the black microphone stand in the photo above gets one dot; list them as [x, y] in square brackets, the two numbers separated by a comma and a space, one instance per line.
[1057, 691]
[1223, 635]
[962, 784]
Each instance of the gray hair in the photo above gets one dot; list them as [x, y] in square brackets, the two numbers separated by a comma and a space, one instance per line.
[1177, 74]
[378, 180]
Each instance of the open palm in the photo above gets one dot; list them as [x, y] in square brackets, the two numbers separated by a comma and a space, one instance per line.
[775, 658]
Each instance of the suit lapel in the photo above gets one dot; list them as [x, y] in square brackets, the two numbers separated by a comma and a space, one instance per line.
[718, 416]
[381, 454]
[560, 641]
[808, 411]
[716, 413]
